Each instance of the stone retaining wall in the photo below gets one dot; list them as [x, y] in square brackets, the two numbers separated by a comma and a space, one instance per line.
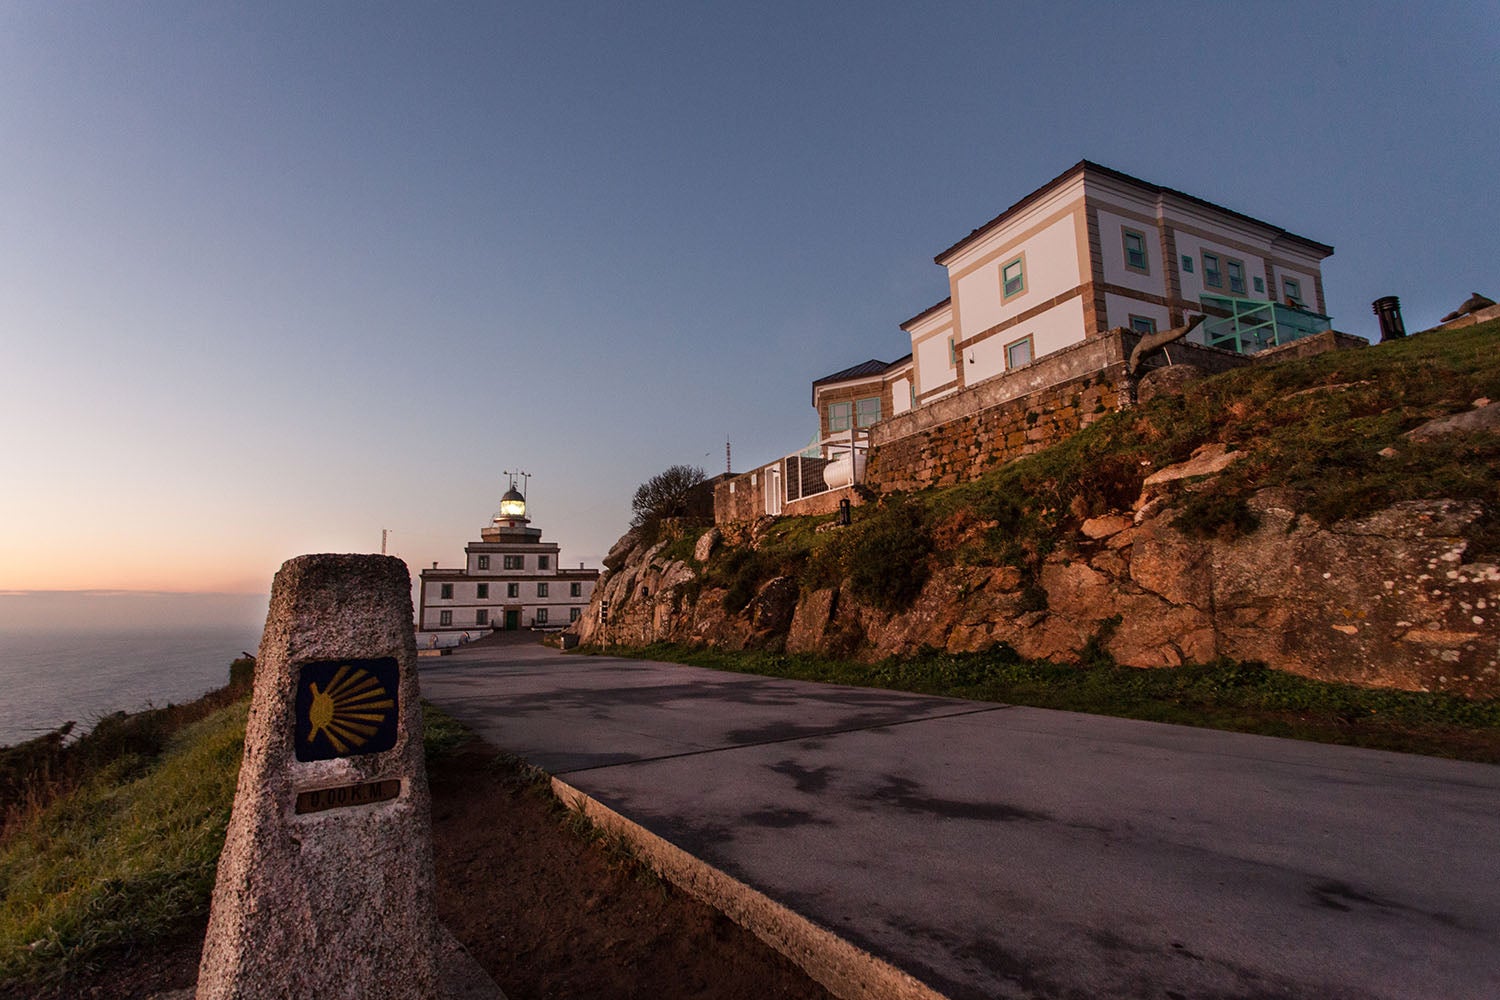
[966, 446]
[959, 437]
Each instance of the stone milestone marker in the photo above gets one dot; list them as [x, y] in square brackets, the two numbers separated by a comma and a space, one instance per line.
[325, 885]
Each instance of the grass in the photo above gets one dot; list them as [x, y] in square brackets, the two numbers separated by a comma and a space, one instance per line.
[1315, 427]
[1238, 697]
[123, 860]
[126, 856]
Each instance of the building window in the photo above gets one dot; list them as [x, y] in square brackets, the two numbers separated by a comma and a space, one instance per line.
[446, 593]
[867, 411]
[1142, 324]
[574, 614]
[541, 590]
[1212, 276]
[1019, 353]
[445, 618]
[541, 616]
[840, 415]
[515, 562]
[1236, 271]
[1013, 277]
[575, 590]
[482, 592]
[1187, 263]
[543, 562]
[1260, 285]
[481, 617]
[1135, 251]
[512, 590]
[952, 353]
[1292, 289]
[484, 562]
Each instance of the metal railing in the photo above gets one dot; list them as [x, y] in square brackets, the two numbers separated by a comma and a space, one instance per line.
[1247, 326]
[803, 474]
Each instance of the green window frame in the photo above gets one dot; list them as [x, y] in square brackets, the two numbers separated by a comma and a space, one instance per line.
[1187, 263]
[1292, 291]
[1235, 269]
[1019, 352]
[866, 411]
[1135, 251]
[1260, 285]
[1212, 276]
[840, 416]
[952, 352]
[1013, 278]
[1142, 324]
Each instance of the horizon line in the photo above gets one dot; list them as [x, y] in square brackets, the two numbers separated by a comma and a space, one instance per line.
[125, 592]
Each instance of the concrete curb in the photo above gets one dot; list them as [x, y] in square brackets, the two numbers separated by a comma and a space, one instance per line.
[846, 971]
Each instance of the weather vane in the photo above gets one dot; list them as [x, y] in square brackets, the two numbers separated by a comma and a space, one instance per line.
[525, 480]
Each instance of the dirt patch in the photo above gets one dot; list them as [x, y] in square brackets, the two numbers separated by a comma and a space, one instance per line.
[548, 910]
[551, 914]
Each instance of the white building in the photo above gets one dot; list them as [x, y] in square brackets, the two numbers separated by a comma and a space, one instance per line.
[1096, 249]
[511, 579]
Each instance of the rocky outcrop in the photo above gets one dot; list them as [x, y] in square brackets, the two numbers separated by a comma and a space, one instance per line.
[1388, 600]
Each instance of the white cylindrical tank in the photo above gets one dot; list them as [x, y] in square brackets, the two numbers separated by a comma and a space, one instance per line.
[844, 472]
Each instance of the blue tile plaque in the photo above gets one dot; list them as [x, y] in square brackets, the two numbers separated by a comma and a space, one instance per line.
[346, 708]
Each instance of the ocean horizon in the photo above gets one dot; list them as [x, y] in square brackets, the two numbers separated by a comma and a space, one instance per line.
[56, 675]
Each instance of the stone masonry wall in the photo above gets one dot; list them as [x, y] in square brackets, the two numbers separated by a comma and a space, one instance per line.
[740, 498]
[959, 437]
[963, 448]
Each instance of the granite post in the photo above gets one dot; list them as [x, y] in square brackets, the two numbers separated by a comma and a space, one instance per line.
[325, 884]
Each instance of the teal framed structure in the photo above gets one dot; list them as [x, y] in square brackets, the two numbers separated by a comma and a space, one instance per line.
[1247, 326]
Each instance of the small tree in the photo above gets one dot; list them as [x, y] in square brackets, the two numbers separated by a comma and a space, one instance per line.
[663, 495]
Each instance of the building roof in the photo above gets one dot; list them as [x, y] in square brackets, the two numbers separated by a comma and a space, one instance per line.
[1088, 166]
[865, 369]
[928, 312]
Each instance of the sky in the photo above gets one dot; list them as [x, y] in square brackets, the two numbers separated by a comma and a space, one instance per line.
[277, 276]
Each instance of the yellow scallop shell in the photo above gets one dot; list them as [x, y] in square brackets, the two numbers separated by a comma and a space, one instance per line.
[350, 710]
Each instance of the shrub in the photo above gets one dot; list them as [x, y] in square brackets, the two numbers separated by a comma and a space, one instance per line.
[664, 495]
[887, 561]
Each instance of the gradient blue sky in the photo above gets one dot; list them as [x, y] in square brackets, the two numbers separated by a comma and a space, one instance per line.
[274, 277]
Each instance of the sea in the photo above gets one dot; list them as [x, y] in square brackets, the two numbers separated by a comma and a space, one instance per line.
[49, 677]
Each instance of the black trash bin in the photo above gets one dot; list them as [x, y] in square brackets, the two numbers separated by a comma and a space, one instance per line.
[1388, 311]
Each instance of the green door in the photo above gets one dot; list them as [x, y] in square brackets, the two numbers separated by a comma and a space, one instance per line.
[512, 620]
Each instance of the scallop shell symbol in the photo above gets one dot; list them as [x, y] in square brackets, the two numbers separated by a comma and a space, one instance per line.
[350, 710]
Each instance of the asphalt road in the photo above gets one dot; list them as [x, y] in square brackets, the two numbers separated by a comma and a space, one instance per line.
[995, 851]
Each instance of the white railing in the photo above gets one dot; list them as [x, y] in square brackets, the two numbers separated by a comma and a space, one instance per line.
[797, 476]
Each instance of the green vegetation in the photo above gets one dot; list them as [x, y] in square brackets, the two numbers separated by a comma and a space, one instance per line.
[123, 860]
[1316, 428]
[1240, 697]
[123, 851]
[665, 495]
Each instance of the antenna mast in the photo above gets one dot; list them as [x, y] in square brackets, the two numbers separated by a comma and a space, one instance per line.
[525, 480]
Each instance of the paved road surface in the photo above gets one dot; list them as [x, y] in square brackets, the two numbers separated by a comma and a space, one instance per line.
[994, 851]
